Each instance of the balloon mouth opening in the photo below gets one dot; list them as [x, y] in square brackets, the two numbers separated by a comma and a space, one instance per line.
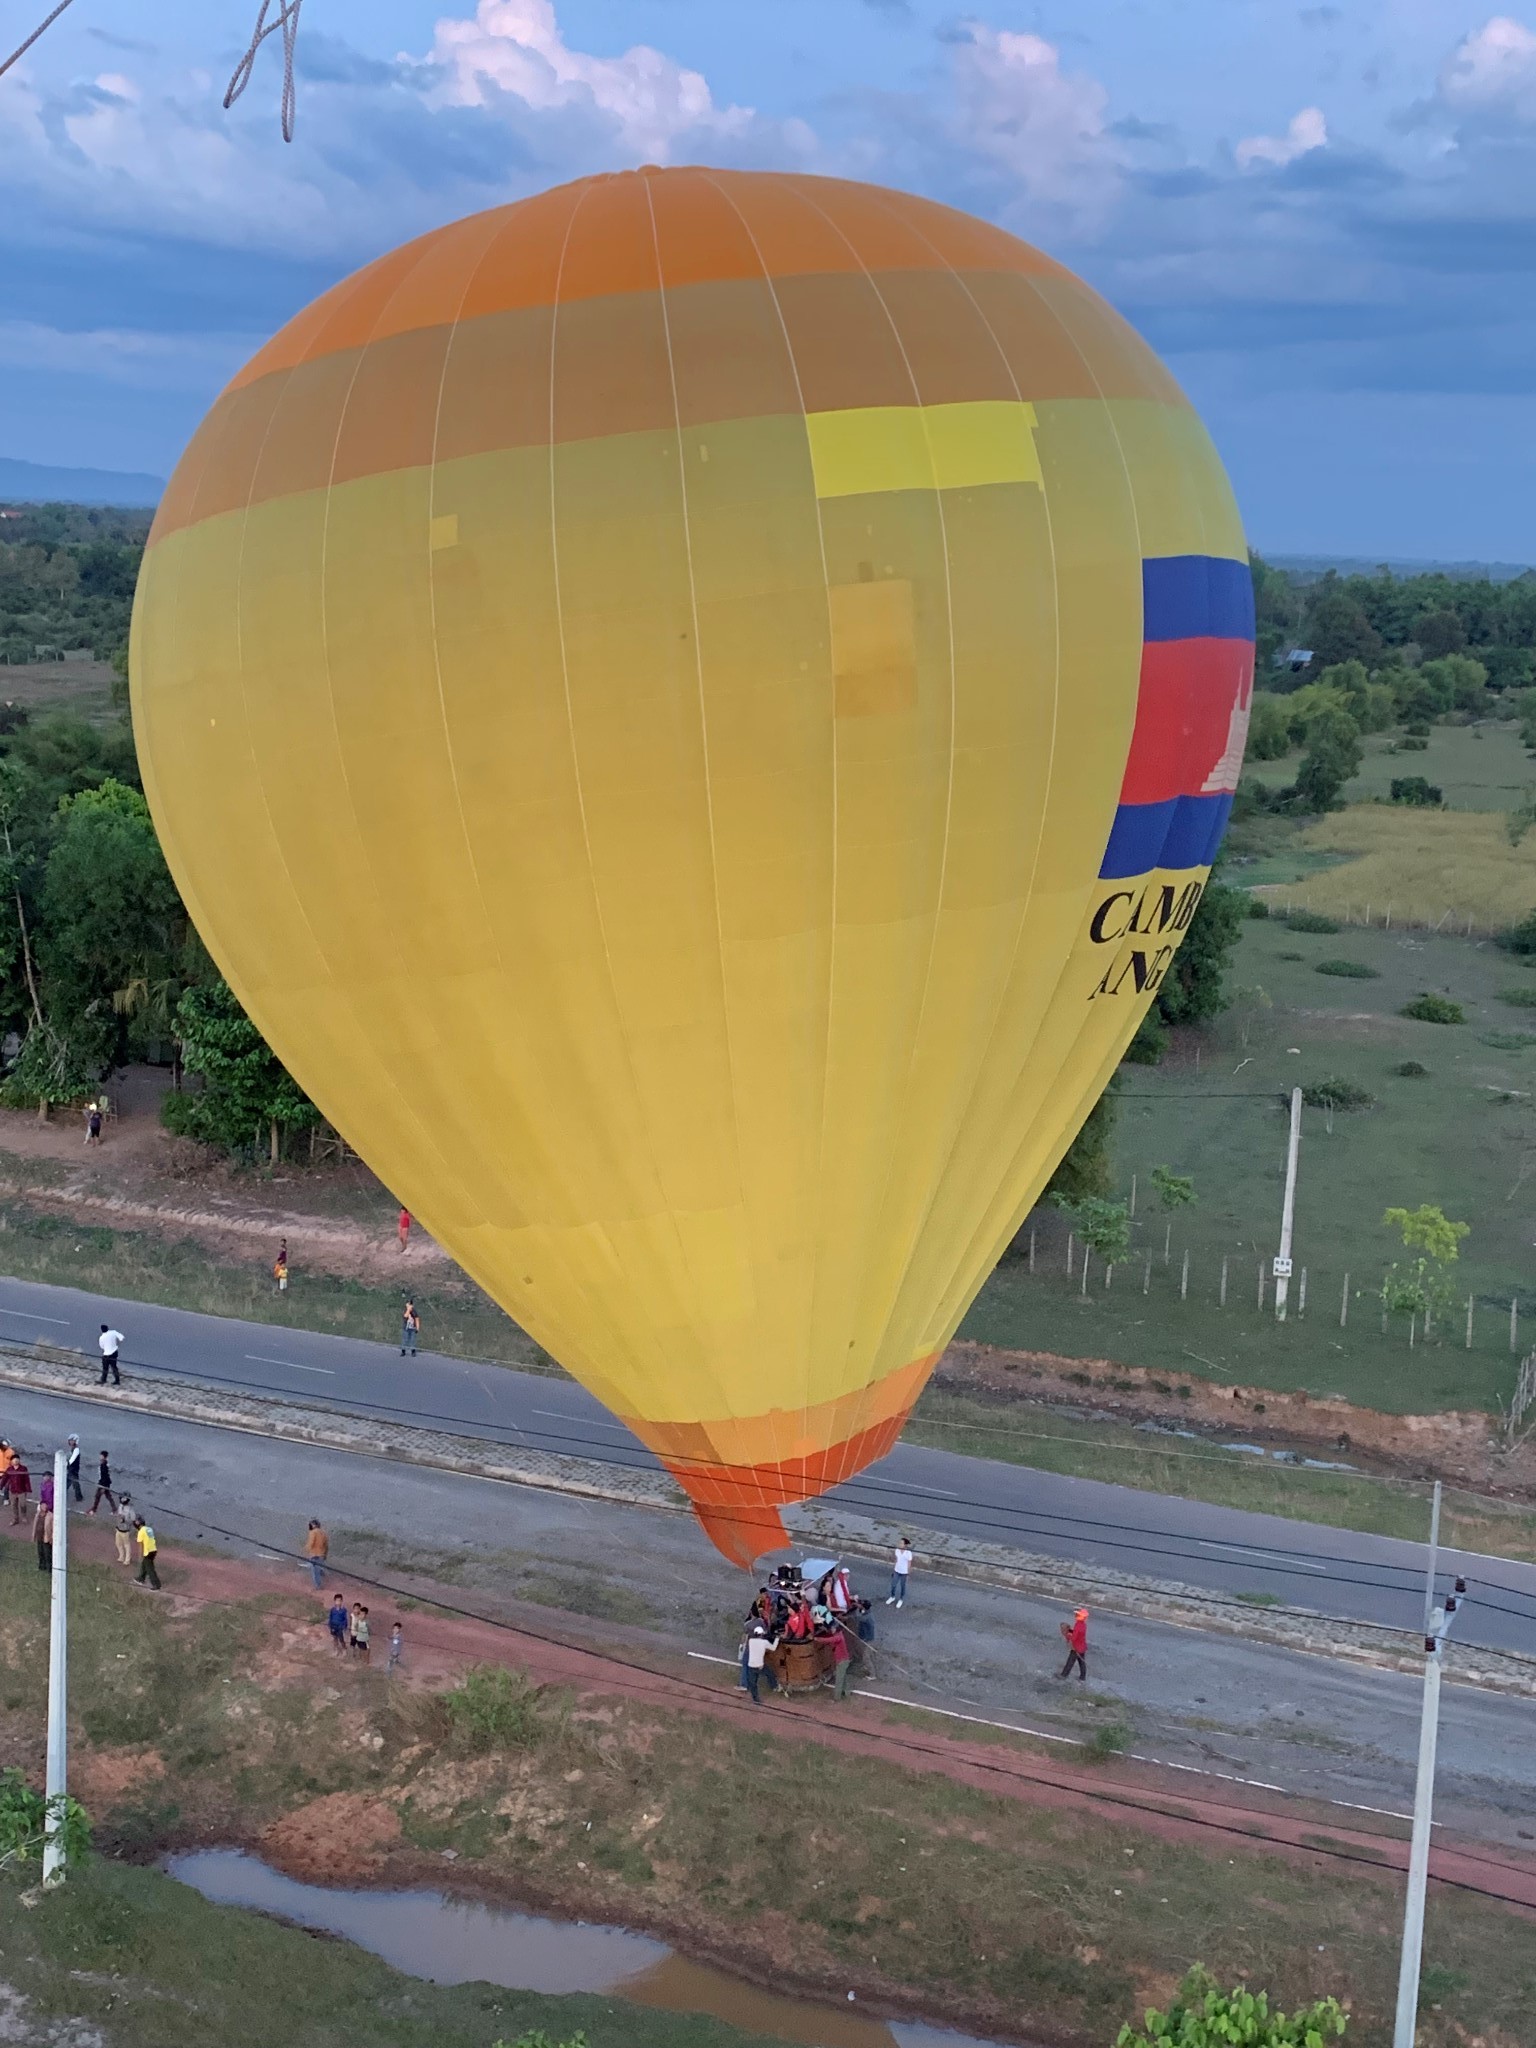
[743, 1534]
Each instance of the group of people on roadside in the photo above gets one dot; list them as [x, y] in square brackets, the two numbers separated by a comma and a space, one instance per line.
[783, 1614]
[133, 1535]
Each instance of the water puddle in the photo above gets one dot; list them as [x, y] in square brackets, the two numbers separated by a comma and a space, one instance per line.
[450, 1941]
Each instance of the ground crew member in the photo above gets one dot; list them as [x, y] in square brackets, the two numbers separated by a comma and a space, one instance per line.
[1075, 1635]
[144, 1536]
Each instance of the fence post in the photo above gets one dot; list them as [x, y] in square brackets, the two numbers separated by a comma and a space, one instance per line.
[1389, 917]
[1031, 1248]
[1184, 1277]
[1344, 1305]
[1109, 1274]
[1069, 1255]
[1085, 1269]
[1514, 1322]
[1413, 1324]
[1146, 1278]
[1301, 1294]
[1470, 1299]
[1223, 1281]
[1261, 1285]
[1168, 1242]
[1132, 1210]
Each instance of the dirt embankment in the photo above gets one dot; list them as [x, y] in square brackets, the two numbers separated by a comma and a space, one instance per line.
[1463, 1449]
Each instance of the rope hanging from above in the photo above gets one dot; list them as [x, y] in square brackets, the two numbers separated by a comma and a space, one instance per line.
[287, 20]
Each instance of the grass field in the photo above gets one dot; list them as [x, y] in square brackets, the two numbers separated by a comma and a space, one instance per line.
[83, 687]
[1422, 868]
[1462, 1136]
[1480, 767]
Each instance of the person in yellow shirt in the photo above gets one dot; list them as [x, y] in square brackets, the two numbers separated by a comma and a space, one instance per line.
[149, 1549]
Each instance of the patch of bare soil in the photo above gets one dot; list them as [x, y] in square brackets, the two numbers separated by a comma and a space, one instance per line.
[1455, 1446]
[342, 1835]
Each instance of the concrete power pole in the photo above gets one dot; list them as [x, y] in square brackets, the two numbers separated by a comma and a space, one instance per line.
[1288, 1213]
[55, 1782]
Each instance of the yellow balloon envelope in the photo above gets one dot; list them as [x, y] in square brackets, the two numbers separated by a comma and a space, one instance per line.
[694, 712]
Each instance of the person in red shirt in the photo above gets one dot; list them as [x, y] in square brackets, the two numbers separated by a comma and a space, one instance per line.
[405, 1228]
[1075, 1635]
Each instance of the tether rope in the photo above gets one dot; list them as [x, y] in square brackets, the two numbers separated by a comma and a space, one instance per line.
[288, 21]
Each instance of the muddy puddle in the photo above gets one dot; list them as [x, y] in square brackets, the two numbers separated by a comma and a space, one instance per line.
[451, 1941]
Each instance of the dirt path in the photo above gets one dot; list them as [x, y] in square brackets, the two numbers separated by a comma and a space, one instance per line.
[443, 1645]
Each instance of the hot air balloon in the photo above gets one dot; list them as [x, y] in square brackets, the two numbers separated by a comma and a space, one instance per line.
[694, 712]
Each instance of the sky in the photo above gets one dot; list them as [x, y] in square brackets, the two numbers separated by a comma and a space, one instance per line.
[1322, 216]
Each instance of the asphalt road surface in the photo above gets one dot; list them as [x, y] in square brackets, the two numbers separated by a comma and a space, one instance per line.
[1332, 1571]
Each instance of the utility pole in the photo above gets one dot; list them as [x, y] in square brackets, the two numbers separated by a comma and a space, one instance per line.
[1435, 1633]
[1288, 1213]
[55, 1781]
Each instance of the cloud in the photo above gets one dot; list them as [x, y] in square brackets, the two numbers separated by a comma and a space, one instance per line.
[1492, 72]
[126, 356]
[1308, 131]
[514, 48]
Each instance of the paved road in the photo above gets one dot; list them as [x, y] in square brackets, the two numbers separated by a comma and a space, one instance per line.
[1338, 1572]
[1248, 1710]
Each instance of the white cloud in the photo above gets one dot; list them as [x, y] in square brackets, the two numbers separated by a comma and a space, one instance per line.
[1492, 71]
[1308, 131]
[515, 47]
[1043, 128]
[131, 356]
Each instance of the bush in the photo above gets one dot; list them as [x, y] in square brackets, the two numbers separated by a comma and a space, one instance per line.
[1311, 921]
[1521, 998]
[1412, 1070]
[493, 1708]
[1413, 789]
[1257, 907]
[1508, 1041]
[1520, 938]
[1332, 1093]
[1204, 2016]
[1413, 744]
[1432, 1009]
[1347, 970]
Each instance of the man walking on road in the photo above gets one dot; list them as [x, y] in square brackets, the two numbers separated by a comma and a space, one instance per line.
[1075, 1636]
[149, 1550]
[109, 1343]
[317, 1548]
[103, 1487]
[72, 1470]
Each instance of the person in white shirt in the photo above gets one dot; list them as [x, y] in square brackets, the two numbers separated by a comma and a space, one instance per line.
[110, 1342]
[901, 1571]
[759, 1643]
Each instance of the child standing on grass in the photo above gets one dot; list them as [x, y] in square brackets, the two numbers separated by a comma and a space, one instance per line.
[396, 1648]
[360, 1634]
[339, 1622]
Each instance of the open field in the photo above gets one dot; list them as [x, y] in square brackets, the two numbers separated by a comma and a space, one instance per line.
[83, 687]
[1030, 1915]
[1422, 868]
[1482, 767]
[1462, 1136]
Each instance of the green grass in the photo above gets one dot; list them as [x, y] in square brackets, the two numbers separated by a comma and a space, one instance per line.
[141, 1265]
[1478, 767]
[1463, 1136]
[154, 1966]
[1083, 1447]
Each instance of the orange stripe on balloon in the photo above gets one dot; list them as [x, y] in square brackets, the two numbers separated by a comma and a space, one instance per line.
[797, 226]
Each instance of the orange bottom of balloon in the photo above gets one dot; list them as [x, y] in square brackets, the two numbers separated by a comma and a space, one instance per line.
[738, 1499]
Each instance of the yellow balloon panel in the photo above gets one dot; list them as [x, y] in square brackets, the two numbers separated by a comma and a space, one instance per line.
[694, 712]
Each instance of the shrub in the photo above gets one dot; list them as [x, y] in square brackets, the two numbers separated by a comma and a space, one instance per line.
[1113, 1739]
[1311, 921]
[1508, 1041]
[1433, 1009]
[1290, 956]
[1521, 937]
[493, 1708]
[1413, 744]
[1257, 907]
[1412, 1070]
[1348, 970]
[1521, 998]
[1332, 1093]
[1413, 789]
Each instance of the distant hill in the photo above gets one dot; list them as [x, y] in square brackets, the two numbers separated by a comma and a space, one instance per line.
[1309, 566]
[38, 483]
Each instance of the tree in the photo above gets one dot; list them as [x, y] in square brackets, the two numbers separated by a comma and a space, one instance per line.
[113, 924]
[1421, 1286]
[1205, 2016]
[248, 1099]
[1333, 756]
[1104, 1226]
[1174, 1190]
[1439, 632]
[1194, 988]
[1337, 629]
[1269, 728]
[1086, 1170]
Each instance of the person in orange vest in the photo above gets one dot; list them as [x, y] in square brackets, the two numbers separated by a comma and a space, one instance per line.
[1075, 1636]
